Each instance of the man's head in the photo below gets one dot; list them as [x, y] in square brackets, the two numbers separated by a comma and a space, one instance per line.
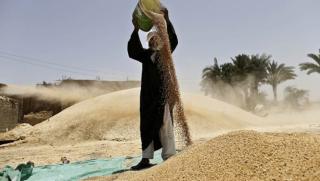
[154, 40]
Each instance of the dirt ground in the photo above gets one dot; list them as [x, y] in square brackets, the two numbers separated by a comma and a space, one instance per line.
[51, 154]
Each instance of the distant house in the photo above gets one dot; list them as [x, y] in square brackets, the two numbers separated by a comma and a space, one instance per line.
[10, 113]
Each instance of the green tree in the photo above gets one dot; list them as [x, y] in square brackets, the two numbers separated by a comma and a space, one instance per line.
[211, 75]
[311, 67]
[227, 73]
[241, 70]
[241, 67]
[258, 70]
[244, 75]
[216, 78]
[277, 74]
[250, 73]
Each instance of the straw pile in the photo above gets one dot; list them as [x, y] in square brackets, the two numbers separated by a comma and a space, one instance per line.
[243, 155]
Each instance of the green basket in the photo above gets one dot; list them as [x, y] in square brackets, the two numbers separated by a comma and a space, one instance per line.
[144, 22]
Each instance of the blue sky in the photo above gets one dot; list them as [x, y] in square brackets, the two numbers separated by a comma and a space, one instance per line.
[88, 38]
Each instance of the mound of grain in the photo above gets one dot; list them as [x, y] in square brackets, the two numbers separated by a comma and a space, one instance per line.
[243, 155]
[115, 116]
[20, 132]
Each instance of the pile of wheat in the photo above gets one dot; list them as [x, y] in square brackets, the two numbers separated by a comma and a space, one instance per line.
[245, 155]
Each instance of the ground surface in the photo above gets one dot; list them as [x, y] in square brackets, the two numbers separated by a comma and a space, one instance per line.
[51, 154]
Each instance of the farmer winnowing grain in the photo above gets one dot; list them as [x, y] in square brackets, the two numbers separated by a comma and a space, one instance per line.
[156, 113]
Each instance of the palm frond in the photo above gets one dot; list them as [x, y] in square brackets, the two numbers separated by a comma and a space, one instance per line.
[277, 74]
[310, 68]
[315, 57]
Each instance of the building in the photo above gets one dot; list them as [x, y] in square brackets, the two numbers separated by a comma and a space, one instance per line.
[10, 113]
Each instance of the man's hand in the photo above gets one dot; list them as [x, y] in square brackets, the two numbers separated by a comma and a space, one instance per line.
[135, 24]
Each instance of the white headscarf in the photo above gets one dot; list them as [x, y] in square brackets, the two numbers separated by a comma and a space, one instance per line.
[155, 34]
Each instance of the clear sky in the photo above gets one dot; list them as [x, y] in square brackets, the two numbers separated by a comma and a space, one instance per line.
[47, 39]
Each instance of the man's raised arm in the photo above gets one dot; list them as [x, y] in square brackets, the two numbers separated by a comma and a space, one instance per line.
[135, 48]
[171, 32]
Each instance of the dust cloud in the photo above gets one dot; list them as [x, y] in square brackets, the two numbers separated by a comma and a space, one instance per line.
[67, 94]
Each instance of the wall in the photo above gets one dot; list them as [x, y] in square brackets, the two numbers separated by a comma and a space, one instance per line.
[10, 113]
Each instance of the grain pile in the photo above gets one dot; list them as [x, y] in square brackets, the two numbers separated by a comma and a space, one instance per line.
[171, 89]
[20, 132]
[243, 155]
[108, 117]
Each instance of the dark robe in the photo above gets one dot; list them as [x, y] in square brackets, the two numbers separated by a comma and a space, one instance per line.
[152, 101]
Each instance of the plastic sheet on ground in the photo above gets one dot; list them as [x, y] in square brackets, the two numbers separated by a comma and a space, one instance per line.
[85, 169]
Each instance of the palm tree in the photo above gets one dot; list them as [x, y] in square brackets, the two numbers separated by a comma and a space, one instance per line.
[241, 66]
[277, 74]
[258, 69]
[311, 67]
[241, 70]
[227, 73]
[211, 75]
[250, 72]
[254, 66]
[216, 77]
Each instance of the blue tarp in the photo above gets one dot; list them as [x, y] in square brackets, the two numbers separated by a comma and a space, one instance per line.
[85, 169]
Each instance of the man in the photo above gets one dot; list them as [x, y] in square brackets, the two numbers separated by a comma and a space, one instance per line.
[156, 119]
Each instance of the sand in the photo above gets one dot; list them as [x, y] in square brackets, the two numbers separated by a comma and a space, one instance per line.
[245, 155]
